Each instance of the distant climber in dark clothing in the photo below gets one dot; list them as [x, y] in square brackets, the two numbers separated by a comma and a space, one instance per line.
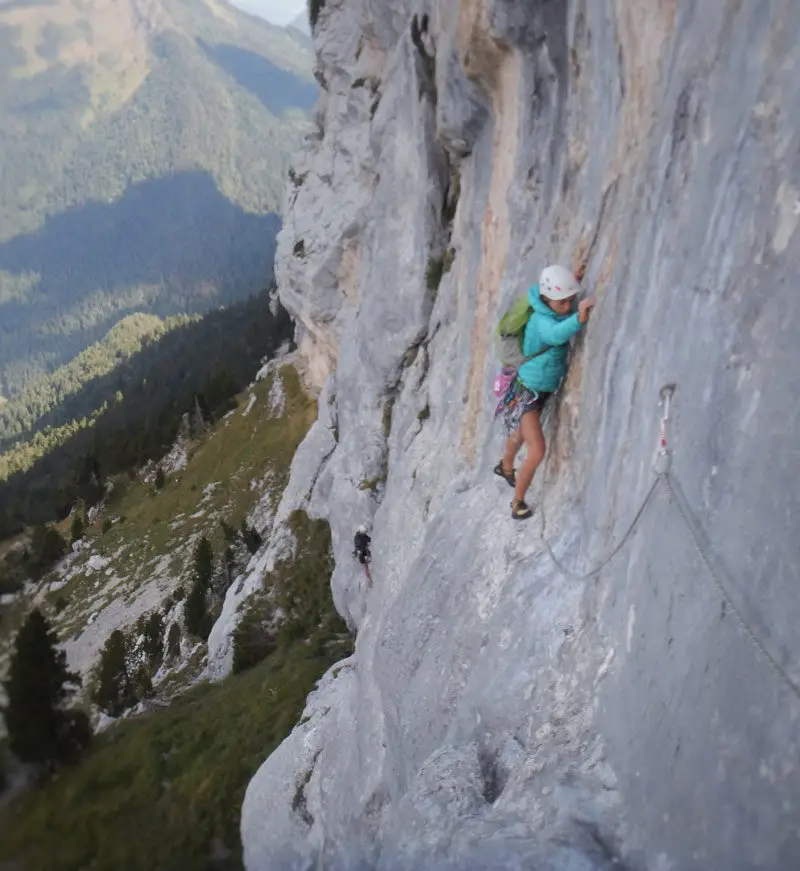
[361, 544]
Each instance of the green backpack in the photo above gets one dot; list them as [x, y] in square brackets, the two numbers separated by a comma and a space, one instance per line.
[510, 332]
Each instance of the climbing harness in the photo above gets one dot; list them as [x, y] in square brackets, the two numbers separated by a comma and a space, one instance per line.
[662, 470]
[365, 564]
[503, 381]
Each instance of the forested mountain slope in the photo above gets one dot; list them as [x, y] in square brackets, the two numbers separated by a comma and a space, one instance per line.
[145, 146]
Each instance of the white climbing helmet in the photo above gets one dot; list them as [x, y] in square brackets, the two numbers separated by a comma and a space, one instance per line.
[557, 282]
[362, 529]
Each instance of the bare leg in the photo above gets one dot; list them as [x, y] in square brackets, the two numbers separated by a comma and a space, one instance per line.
[513, 443]
[531, 430]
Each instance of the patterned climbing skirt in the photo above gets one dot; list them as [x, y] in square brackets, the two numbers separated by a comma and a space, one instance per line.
[518, 401]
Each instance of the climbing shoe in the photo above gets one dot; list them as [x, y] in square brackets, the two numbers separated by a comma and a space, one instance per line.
[510, 478]
[520, 510]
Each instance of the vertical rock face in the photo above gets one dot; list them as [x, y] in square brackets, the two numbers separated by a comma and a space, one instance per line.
[498, 713]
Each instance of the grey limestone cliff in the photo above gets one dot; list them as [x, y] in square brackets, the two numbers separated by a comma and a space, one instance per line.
[498, 713]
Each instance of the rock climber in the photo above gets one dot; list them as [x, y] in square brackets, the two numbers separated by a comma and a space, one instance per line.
[361, 552]
[554, 321]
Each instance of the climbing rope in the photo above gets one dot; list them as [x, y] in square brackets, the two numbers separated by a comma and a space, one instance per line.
[675, 493]
[576, 576]
[662, 466]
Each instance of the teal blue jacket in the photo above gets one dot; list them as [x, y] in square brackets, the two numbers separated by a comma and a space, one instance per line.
[546, 338]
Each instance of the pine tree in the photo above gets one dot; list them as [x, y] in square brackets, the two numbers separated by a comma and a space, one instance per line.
[142, 682]
[53, 546]
[185, 428]
[199, 425]
[254, 636]
[113, 686]
[47, 547]
[221, 577]
[77, 528]
[237, 556]
[251, 537]
[195, 612]
[153, 631]
[203, 560]
[174, 641]
[40, 728]
[89, 482]
[161, 478]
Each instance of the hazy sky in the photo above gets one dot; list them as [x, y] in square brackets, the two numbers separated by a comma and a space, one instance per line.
[276, 11]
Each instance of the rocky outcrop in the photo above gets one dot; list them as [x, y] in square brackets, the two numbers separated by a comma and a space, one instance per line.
[498, 713]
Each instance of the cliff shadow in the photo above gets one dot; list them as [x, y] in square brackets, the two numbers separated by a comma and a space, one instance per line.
[276, 88]
[168, 245]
